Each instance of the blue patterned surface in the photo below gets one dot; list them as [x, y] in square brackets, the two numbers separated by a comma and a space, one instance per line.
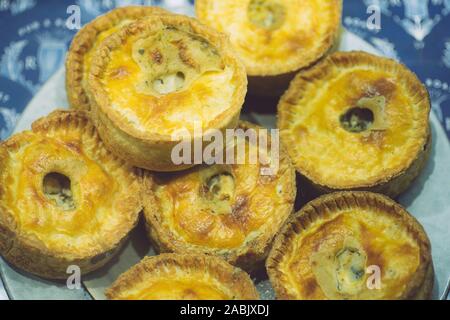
[34, 39]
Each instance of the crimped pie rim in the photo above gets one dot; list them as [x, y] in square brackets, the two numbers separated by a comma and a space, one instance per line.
[232, 277]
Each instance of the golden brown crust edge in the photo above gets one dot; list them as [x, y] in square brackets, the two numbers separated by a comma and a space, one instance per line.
[391, 184]
[276, 85]
[82, 43]
[45, 265]
[249, 258]
[153, 151]
[33, 256]
[234, 278]
[422, 283]
[426, 290]
[391, 188]
[151, 155]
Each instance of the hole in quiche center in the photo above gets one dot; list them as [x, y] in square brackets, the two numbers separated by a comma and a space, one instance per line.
[350, 269]
[220, 189]
[357, 119]
[171, 59]
[57, 188]
[266, 14]
[169, 83]
[221, 186]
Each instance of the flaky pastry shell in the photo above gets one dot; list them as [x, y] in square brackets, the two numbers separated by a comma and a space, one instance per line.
[275, 38]
[183, 277]
[87, 40]
[230, 210]
[64, 199]
[338, 244]
[160, 81]
[356, 122]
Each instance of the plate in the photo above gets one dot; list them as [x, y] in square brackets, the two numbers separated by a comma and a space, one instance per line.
[428, 199]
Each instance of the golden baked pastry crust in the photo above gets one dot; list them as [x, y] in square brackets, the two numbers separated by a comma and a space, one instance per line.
[183, 277]
[87, 40]
[383, 154]
[227, 210]
[324, 251]
[64, 199]
[307, 30]
[159, 76]
[274, 38]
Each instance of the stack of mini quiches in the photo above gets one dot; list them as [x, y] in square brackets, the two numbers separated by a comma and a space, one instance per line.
[142, 81]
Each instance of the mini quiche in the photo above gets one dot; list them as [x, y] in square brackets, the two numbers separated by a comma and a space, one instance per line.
[160, 81]
[64, 199]
[230, 210]
[351, 245]
[275, 38]
[183, 277]
[87, 40]
[356, 122]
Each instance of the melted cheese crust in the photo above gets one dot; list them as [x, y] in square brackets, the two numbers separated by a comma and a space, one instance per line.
[97, 189]
[225, 206]
[333, 156]
[87, 58]
[165, 286]
[298, 40]
[182, 277]
[311, 263]
[196, 106]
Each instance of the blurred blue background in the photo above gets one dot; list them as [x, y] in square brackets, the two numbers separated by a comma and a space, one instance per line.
[34, 39]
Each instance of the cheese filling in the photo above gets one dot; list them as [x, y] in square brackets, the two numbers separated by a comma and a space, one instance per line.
[196, 287]
[168, 81]
[219, 193]
[170, 60]
[332, 258]
[267, 14]
[87, 58]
